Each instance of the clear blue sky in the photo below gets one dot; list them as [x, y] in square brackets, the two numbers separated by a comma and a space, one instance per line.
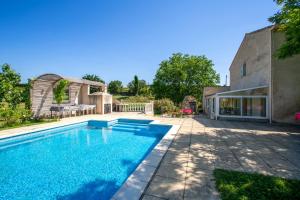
[117, 39]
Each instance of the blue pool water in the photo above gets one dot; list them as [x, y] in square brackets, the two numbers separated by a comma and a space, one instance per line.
[89, 160]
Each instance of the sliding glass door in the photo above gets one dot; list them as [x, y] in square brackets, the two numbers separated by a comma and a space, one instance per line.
[230, 106]
[254, 107]
[250, 106]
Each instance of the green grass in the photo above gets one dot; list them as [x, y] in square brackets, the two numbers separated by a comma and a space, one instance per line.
[26, 123]
[234, 185]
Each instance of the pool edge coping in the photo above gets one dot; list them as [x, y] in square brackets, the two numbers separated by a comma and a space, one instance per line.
[135, 185]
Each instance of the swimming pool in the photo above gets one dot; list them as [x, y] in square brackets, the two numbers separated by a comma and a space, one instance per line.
[88, 160]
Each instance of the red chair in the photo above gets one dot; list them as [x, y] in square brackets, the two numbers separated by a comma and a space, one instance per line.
[187, 111]
[297, 116]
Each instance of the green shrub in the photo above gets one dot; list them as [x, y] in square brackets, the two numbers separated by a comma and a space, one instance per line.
[137, 99]
[13, 115]
[164, 106]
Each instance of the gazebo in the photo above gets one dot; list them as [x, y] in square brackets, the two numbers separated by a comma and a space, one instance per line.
[79, 97]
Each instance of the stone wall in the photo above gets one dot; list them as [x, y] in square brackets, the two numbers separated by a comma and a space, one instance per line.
[285, 84]
[256, 54]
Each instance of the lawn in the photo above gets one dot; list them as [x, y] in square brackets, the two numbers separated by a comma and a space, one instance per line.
[233, 185]
[26, 123]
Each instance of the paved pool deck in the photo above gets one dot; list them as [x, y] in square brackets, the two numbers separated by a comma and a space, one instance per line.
[201, 145]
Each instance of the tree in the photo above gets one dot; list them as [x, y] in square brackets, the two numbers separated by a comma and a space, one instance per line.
[145, 89]
[10, 92]
[26, 93]
[115, 87]
[93, 77]
[59, 91]
[183, 75]
[138, 87]
[287, 20]
[134, 86]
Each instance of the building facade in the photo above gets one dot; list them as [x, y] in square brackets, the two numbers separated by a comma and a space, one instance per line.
[261, 86]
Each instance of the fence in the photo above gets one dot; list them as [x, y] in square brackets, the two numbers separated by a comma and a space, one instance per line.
[146, 108]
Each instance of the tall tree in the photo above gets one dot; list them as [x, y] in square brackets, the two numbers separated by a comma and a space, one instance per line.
[115, 87]
[10, 92]
[134, 86]
[183, 75]
[288, 21]
[93, 77]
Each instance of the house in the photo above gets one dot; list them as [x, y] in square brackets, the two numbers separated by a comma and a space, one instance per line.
[80, 94]
[262, 87]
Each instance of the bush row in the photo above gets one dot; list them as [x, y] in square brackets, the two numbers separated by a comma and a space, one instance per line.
[165, 106]
[13, 115]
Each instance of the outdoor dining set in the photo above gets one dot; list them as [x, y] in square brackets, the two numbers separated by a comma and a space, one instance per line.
[70, 110]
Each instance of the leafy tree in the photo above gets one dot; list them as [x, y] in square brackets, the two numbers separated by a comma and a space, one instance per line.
[145, 90]
[183, 75]
[26, 93]
[115, 87]
[138, 87]
[9, 90]
[288, 21]
[59, 91]
[93, 77]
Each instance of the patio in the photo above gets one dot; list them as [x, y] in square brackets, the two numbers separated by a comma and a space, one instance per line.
[202, 145]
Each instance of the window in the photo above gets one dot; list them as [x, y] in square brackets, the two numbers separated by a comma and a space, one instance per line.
[230, 106]
[243, 70]
[254, 107]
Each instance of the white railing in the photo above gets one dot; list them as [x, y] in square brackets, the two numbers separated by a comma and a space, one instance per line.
[146, 108]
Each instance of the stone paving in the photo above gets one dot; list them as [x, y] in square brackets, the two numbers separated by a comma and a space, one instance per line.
[202, 145]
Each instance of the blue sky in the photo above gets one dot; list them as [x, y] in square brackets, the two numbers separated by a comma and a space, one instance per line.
[117, 39]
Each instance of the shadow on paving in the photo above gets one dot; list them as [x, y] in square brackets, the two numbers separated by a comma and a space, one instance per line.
[239, 146]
